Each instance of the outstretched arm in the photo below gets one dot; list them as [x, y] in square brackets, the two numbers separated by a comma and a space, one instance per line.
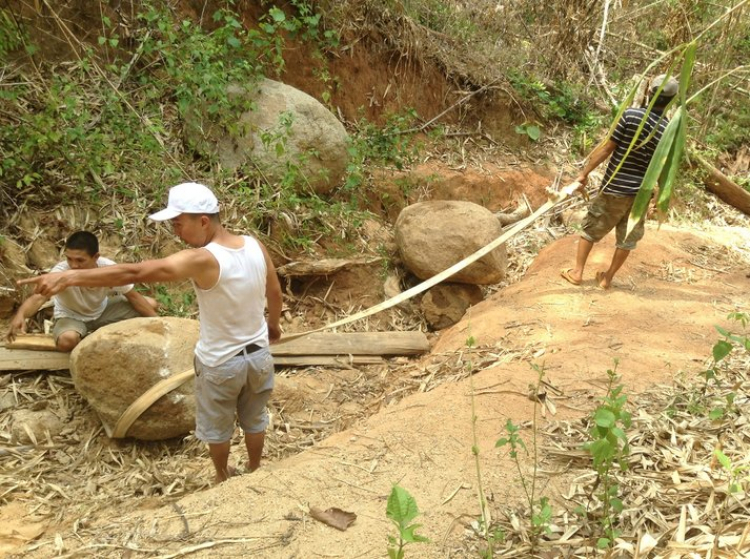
[197, 264]
[27, 309]
[273, 298]
[597, 157]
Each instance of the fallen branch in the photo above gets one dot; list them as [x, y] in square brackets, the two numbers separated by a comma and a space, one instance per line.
[721, 185]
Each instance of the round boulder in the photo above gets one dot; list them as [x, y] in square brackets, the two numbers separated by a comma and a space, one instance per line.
[433, 236]
[115, 365]
[445, 304]
[286, 132]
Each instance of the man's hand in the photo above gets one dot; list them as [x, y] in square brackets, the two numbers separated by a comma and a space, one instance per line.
[583, 179]
[274, 333]
[48, 284]
[17, 325]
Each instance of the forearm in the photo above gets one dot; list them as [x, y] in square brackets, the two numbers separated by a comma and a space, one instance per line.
[274, 302]
[598, 156]
[30, 306]
[141, 304]
[109, 276]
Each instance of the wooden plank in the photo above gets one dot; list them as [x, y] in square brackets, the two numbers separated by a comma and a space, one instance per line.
[327, 360]
[38, 342]
[354, 343]
[30, 360]
[322, 343]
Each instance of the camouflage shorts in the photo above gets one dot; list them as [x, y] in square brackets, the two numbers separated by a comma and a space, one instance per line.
[607, 212]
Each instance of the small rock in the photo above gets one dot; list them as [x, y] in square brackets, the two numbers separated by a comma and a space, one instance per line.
[25, 423]
[445, 304]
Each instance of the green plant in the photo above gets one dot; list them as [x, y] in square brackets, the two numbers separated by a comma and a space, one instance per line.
[388, 145]
[533, 131]
[12, 36]
[720, 351]
[609, 450]
[540, 510]
[402, 510]
[486, 519]
[176, 304]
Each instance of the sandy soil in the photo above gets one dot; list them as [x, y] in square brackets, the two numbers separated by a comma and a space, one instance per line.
[658, 321]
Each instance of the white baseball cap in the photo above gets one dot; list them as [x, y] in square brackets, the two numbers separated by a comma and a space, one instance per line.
[669, 89]
[188, 198]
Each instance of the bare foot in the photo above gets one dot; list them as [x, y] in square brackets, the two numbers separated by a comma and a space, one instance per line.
[601, 279]
[249, 469]
[231, 472]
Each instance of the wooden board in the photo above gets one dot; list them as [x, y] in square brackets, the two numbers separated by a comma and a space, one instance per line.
[38, 342]
[30, 360]
[354, 343]
[326, 360]
[322, 343]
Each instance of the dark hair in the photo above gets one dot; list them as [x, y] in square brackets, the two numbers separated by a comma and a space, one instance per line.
[83, 240]
[662, 101]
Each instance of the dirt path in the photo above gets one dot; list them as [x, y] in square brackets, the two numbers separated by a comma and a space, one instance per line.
[658, 321]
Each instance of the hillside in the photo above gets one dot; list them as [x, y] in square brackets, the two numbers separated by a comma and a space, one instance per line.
[477, 101]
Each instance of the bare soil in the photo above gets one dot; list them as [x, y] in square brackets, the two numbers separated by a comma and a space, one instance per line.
[657, 321]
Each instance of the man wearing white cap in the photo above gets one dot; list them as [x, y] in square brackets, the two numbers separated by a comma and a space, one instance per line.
[611, 207]
[234, 278]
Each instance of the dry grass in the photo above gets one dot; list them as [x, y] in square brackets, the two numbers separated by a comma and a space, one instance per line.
[679, 500]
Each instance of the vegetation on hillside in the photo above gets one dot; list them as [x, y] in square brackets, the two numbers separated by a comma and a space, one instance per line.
[106, 119]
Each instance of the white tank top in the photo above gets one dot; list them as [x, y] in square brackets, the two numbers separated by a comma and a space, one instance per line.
[231, 313]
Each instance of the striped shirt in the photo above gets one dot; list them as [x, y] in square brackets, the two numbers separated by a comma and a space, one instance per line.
[628, 179]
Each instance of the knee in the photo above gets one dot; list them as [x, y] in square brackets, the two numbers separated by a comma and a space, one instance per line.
[68, 340]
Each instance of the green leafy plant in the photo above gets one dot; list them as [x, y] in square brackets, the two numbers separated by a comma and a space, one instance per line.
[720, 351]
[540, 510]
[402, 510]
[533, 131]
[175, 303]
[486, 518]
[609, 451]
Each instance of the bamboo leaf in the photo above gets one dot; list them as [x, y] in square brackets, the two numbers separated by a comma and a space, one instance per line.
[669, 172]
[687, 70]
[640, 204]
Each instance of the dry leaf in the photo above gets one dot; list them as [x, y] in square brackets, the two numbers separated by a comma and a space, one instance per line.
[337, 518]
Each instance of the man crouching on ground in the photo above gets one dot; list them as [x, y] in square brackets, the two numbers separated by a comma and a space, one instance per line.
[233, 277]
[78, 311]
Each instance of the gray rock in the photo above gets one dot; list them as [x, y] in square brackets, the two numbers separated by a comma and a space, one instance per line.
[116, 364]
[433, 236]
[286, 128]
[25, 423]
[7, 400]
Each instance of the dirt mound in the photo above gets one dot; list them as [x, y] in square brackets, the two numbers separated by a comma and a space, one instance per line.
[657, 320]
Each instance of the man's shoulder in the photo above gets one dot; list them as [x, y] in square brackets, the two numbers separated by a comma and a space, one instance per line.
[60, 267]
[102, 261]
[634, 113]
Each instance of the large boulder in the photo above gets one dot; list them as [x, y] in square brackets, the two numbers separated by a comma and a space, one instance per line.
[115, 365]
[432, 236]
[286, 131]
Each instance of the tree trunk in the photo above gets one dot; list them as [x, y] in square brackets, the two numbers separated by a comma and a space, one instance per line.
[721, 185]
